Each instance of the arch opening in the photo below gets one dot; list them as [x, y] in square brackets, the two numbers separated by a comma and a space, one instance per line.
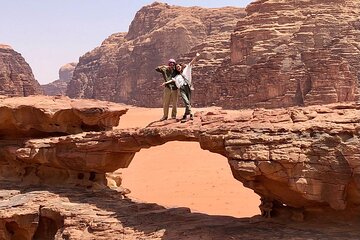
[181, 174]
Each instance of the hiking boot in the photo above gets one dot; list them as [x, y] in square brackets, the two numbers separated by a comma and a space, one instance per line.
[163, 119]
[173, 117]
[183, 119]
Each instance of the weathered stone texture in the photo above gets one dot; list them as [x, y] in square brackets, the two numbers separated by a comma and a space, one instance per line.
[301, 157]
[122, 69]
[59, 213]
[58, 87]
[287, 53]
[283, 53]
[302, 161]
[16, 77]
[42, 116]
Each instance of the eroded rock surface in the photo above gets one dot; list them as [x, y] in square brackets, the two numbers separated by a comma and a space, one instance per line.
[71, 213]
[58, 87]
[280, 54]
[302, 161]
[286, 53]
[41, 116]
[16, 77]
[299, 157]
[46, 116]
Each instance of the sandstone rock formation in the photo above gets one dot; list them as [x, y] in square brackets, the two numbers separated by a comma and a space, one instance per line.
[59, 86]
[16, 77]
[303, 162]
[44, 116]
[300, 157]
[71, 213]
[283, 53]
[40, 116]
[287, 53]
[122, 69]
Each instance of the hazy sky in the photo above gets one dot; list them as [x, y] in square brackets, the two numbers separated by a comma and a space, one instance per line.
[51, 33]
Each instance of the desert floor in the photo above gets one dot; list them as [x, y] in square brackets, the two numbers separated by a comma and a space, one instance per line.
[181, 174]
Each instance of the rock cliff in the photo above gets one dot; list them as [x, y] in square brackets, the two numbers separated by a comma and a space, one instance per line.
[282, 53]
[302, 161]
[16, 77]
[287, 53]
[58, 87]
[122, 68]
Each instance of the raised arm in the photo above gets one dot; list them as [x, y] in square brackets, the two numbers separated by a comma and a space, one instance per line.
[194, 59]
[171, 80]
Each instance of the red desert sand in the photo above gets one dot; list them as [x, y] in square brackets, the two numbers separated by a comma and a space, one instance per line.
[181, 174]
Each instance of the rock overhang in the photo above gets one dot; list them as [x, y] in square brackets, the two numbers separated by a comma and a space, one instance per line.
[301, 157]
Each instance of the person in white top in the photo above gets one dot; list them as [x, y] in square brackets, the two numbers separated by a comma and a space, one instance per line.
[184, 82]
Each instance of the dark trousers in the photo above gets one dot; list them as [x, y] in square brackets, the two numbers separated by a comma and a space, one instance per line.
[185, 93]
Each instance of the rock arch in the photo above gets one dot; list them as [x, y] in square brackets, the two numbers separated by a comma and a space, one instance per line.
[294, 158]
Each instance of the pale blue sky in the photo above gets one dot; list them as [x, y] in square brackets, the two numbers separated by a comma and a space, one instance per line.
[50, 33]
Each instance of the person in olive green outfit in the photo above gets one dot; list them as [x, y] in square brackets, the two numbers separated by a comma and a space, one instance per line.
[170, 89]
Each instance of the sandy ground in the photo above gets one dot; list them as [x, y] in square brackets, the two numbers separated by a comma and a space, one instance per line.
[182, 174]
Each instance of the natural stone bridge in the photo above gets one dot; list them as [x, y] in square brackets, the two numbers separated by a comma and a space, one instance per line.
[301, 159]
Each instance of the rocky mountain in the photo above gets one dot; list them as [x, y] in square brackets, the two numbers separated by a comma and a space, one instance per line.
[16, 77]
[122, 69]
[287, 53]
[282, 53]
[58, 87]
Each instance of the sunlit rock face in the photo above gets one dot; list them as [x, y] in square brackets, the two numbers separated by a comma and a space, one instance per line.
[302, 161]
[122, 69]
[41, 117]
[287, 53]
[280, 53]
[16, 77]
[59, 86]
[304, 158]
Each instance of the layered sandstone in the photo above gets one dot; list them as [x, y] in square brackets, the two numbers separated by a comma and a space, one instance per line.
[297, 157]
[58, 87]
[122, 69]
[45, 116]
[303, 158]
[303, 162]
[29, 213]
[283, 53]
[42, 117]
[16, 77]
[287, 53]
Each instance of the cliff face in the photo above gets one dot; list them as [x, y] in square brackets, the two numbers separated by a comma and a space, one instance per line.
[16, 77]
[122, 68]
[283, 53]
[287, 53]
[58, 87]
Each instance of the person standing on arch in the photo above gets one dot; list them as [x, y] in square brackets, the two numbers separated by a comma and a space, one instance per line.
[170, 90]
[184, 82]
